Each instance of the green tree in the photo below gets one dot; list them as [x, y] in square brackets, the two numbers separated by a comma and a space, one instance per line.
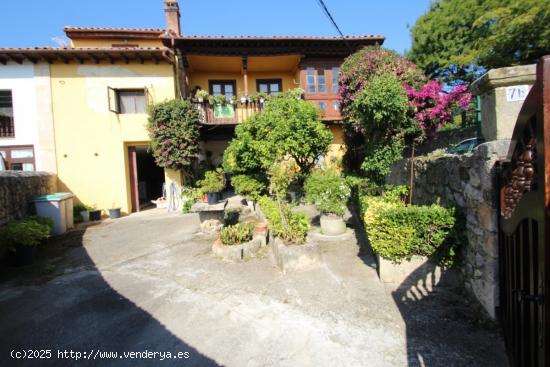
[288, 127]
[457, 39]
[174, 131]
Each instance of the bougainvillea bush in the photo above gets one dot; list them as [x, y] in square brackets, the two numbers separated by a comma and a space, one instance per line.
[386, 100]
[174, 131]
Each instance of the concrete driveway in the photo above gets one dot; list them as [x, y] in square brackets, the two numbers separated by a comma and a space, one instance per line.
[148, 284]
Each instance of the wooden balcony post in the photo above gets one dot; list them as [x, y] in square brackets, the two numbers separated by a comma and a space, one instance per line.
[245, 81]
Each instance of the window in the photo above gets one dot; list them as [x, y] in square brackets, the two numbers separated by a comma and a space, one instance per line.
[321, 85]
[270, 86]
[310, 80]
[6, 114]
[335, 78]
[132, 101]
[18, 158]
[223, 87]
[336, 106]
[315, 80]
[322, 106]
[127, 101]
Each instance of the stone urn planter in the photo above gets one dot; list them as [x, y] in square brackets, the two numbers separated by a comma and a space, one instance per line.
[332, 225]
[239, 252]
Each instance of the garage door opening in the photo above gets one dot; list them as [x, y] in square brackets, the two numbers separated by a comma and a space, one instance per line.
[146, 178]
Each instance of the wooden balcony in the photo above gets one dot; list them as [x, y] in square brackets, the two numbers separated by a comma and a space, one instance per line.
[229, 114]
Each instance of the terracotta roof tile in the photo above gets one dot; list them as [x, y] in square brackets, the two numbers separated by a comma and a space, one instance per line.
[112, 29]
[248, 37]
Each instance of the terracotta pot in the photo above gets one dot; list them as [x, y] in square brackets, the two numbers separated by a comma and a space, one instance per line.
[204, 198]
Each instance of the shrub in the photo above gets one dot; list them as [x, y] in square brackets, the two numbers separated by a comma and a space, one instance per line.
[328, 190]
[248, 185]
[214, 181]
[287, 127]
[237, 234]
[25, 232]
[189, 196]
[174, 131]
[281, 175]
[47, 221]
[291, 227]
[398, 232]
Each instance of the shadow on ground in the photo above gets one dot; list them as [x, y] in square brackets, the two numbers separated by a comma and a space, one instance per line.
[444, 326]
[73, 308]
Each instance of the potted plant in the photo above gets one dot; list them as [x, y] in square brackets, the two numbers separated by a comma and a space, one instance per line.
[212, 184]
[262, 96]
[114, 212]
[95, 214]
[236, 234]
[234, 100]
[244, 99]
[328, 190]
[201, 95]
[231, 216]
[252, 98]
[81, 211]
[23, 236]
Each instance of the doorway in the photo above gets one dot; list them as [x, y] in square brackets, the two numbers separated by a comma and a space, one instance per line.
[146, 178]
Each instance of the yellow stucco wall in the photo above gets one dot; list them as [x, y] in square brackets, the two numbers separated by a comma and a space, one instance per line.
[201, 79]
[91, 141]
[337, 148]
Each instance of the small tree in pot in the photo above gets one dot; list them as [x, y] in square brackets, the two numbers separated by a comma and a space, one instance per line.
[212, 184]
[329, 191]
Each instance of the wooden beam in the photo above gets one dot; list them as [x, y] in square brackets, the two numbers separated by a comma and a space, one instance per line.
[48, 60]
[109, 57]
[95, 59]
[152, 54]
[12, 57]
[78, 58]
[140, 58]
[124, 57]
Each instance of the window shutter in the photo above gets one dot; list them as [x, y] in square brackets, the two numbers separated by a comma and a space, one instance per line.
[148, 97]
[113, 100]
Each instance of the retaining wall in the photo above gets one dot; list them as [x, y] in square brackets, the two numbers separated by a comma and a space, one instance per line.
[469, 183]
[17, 190]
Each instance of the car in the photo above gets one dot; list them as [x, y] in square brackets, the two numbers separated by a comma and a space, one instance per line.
[465, 146]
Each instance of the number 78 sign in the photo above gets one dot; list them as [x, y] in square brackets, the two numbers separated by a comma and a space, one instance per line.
[517, 93]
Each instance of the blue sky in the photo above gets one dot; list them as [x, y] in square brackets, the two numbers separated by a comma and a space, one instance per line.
[28, 23]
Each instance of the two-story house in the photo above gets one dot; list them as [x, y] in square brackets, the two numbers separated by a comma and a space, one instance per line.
[91, 99]
[248, 65]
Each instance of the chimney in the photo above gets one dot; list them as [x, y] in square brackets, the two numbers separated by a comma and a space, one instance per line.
[172, 11]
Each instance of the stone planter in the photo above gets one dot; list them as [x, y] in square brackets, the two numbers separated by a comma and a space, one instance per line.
[95, 215]
[114, 213]
[295, 257]
[213, 198]
[237, 252]
[417, 271]
[332, 225]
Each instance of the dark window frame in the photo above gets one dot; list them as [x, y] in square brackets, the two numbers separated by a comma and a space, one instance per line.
[269, 82]
[223, 83]
[7, 127]
[11, 161]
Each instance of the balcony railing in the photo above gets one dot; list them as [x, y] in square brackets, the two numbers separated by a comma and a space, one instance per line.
[228, 114]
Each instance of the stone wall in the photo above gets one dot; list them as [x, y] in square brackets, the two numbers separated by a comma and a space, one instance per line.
[17, 190]
[467, 182]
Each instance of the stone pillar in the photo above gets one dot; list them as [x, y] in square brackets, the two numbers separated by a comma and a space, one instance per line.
[502, 92]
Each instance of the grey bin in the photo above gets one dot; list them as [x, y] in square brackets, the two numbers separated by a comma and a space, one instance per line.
[58, 207]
